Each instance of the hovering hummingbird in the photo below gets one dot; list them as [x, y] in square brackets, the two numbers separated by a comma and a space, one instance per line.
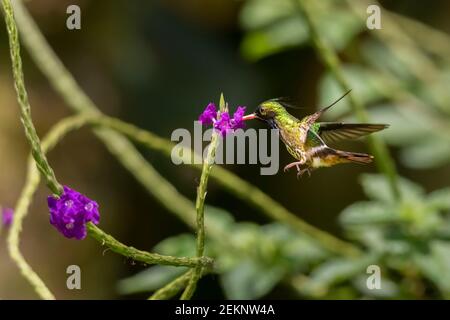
[306, 140]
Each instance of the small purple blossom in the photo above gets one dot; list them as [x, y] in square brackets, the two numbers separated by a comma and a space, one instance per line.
[223, 123]
[7, 216]
[237, 122]
[71, 211]
[209, 115]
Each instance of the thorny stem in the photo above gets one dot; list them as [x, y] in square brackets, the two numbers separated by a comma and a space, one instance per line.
[174, 287]
[331, 61]
[200, 207]
[22, 97]
[63, 82]
[143, 256]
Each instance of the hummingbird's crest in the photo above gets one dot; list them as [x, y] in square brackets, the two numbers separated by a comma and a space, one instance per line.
[287, 102]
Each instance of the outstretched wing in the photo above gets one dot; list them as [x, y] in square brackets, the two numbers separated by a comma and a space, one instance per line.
[333, 131]
[309, 120]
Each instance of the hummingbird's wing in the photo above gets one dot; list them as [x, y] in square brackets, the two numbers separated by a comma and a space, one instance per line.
[333, 131]
[309, 120]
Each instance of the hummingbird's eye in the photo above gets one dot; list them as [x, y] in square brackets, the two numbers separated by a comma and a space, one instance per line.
[262, 110]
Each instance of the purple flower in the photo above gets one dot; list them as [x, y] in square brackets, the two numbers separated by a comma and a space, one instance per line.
[71, 211]
[237, 122]
[7, 216]
[225, 124]
[209, 115]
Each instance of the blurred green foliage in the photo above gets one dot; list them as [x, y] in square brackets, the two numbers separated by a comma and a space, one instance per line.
[401, 73]
[408, 239]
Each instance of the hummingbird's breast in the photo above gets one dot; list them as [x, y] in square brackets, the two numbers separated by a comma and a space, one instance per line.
[290, 134]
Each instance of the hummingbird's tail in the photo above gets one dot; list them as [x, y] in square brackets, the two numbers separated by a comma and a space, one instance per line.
[346, 156]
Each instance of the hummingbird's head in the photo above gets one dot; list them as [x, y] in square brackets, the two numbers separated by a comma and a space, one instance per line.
[267, 111]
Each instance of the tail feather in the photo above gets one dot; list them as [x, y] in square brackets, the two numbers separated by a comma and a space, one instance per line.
[354, 156]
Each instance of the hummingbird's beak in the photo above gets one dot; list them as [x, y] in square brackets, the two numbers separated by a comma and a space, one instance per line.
[250, 117]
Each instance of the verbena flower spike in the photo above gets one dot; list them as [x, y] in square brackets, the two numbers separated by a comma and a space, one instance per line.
[71, 211]
[222, 122]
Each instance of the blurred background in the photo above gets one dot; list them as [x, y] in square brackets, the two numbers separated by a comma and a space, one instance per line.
[158, 63]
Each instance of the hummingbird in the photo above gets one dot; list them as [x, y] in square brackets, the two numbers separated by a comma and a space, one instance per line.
[307, 140]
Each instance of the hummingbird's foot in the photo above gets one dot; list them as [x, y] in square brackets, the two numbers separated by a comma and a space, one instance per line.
[293, 164]
[301, 172]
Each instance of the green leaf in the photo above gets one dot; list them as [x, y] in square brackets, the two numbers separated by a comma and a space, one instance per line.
[376, 187]
[336, 271]
[436, 265]
[377, 239]
[420, 218]
[218, 218]
[367, 212]
[246, 236]
[297, 250]
[149, 280]
[250, 280]
[429, 153]
[439, 199]
[302, 252]
[180, 246]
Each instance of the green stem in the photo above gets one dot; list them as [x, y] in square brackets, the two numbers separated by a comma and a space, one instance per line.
[172, 288]
[22, 97]
[143, 256]
[13, 240]
[175, 286]
[200, 207]
[63, 82]
[382, 158]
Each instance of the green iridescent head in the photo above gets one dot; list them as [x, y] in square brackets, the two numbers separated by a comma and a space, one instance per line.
[269, 110]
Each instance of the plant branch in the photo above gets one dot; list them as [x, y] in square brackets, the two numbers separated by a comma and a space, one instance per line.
[22, 97]
[200, 206]
[144, 256]
[173, 287]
